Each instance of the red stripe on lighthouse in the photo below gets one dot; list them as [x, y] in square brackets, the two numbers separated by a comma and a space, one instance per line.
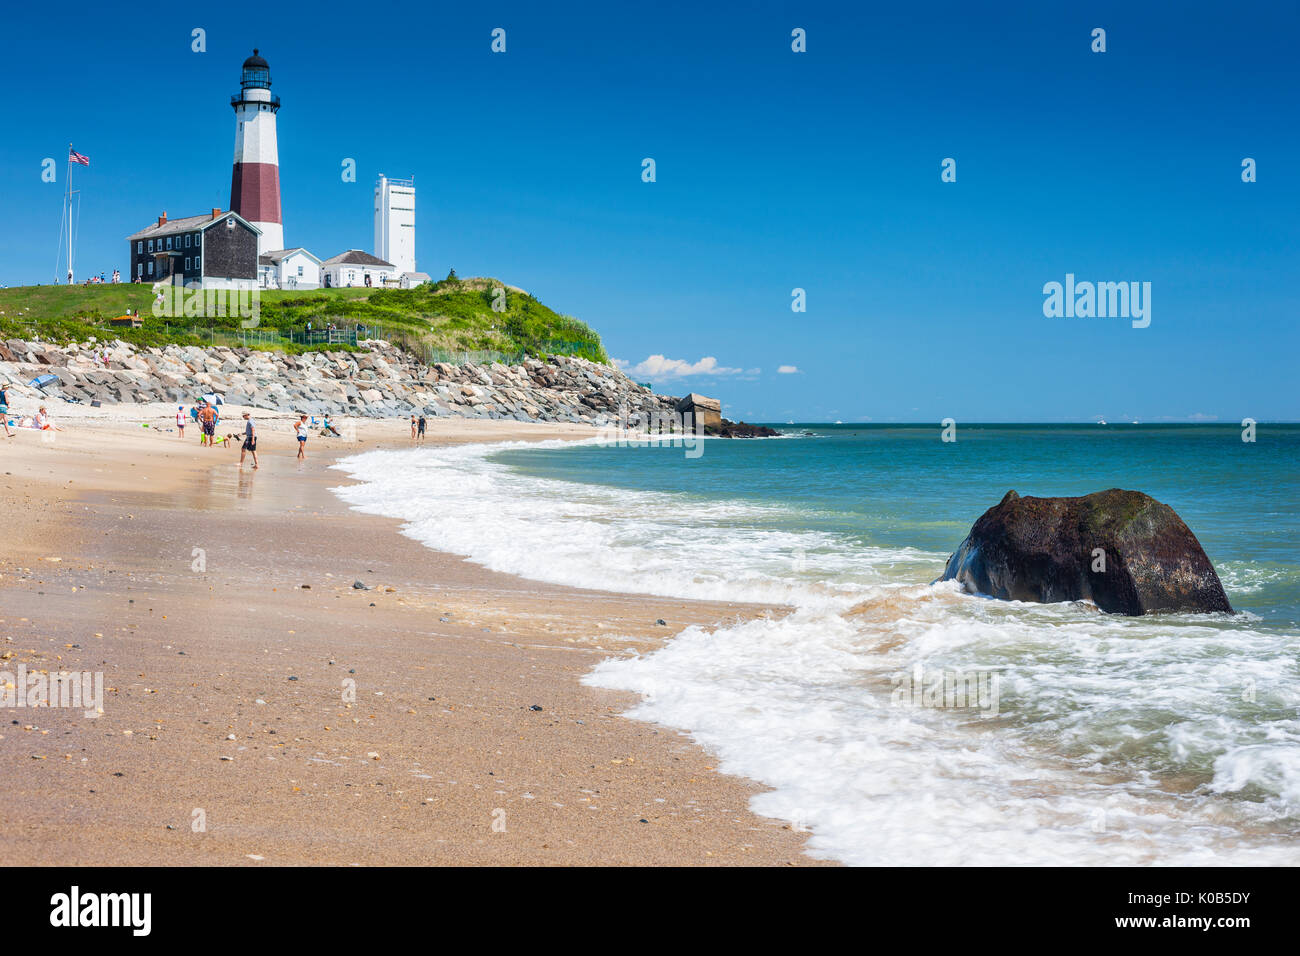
[255, 191]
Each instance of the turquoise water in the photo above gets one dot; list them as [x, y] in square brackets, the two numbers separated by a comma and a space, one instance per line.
[1102, 739]
[900, 486]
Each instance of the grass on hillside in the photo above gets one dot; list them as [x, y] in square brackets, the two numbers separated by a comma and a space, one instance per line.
[454, 314]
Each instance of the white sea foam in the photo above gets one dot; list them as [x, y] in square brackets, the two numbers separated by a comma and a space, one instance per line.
[1241, 577]
[1117, 740]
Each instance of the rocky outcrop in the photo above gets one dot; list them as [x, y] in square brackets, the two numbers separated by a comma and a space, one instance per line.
[378, 381]
[1122, 550]
[729, 429]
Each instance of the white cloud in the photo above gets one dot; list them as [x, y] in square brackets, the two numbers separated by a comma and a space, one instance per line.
[788, 370]
[659, 367]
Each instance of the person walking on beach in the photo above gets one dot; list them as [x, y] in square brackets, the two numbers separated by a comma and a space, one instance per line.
[180, 421]
[420, 430]
[4, 410]
[250, 441]
[413, 427]
[301, 429]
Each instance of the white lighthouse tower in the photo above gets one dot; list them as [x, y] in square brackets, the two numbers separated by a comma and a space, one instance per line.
[255, 181]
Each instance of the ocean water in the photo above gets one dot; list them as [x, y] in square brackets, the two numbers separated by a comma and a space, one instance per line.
[1086, 739]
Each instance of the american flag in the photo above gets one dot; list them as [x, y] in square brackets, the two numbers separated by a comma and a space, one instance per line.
[76, 157]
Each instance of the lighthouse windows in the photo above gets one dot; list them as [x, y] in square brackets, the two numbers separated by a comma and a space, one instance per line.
[139, 245]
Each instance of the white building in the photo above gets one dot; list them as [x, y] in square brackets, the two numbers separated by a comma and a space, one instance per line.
[289, 269]
[357, 269]
[395, 224]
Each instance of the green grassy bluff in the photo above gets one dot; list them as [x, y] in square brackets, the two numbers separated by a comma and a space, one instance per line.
[455, 315]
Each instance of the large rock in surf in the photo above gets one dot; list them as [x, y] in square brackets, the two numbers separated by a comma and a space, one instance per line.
[1046, 549]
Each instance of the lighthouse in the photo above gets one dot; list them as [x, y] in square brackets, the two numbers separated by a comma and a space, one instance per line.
[255, 181]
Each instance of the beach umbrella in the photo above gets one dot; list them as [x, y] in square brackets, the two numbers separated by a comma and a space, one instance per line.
[40, 381]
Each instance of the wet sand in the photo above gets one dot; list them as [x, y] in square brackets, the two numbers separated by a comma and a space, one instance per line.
[260, 710]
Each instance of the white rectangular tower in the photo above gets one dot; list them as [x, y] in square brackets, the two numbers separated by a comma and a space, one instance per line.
[395, 222]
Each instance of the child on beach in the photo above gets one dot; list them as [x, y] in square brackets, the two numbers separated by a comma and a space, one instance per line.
[180, 421]
[301, 429]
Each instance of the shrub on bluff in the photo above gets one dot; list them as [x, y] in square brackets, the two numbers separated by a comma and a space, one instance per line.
[1122, 550]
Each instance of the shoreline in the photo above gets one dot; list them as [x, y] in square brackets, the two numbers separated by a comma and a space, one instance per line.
[226, 687]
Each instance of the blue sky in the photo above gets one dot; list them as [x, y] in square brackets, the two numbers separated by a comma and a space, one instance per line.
[775, 171]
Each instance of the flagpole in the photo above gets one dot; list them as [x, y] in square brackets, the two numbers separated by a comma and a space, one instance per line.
[67, 199]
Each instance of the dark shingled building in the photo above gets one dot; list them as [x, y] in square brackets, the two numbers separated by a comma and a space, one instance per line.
[218, 250]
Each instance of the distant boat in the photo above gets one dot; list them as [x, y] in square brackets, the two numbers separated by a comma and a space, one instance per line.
[838, 422]
[1101, 421]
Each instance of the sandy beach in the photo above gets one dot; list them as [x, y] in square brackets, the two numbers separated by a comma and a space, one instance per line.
[261, 710]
